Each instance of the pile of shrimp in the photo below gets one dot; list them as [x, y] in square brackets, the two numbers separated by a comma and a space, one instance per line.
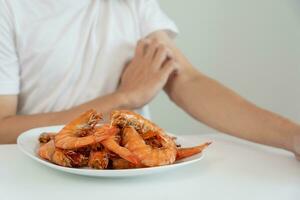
[129, 141]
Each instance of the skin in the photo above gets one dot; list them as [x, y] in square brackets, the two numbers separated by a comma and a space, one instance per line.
[159, 64]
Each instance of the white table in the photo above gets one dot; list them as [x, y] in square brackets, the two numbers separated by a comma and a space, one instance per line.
[231, 169]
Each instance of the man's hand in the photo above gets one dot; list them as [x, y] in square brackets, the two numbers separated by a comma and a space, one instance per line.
[146, 74]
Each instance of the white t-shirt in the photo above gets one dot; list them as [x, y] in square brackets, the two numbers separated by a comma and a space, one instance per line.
[59, 54]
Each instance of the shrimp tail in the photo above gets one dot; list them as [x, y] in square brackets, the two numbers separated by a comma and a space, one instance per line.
[187, 152]
[133, 159]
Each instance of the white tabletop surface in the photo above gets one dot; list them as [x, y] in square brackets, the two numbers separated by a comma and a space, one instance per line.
[231, 169]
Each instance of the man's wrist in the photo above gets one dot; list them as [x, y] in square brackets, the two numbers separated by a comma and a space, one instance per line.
[121, 100]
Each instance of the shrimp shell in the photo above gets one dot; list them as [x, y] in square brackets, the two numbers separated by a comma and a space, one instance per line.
[49, 152]
[98, 159]
[82, 132]
[124, 118]
[123, 152]
[148, 155]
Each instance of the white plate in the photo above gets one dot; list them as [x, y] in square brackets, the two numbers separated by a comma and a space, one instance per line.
[28, 144]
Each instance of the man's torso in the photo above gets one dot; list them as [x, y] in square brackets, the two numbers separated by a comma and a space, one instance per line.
[73, 50]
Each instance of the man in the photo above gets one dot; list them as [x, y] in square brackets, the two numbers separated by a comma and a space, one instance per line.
[60, 58]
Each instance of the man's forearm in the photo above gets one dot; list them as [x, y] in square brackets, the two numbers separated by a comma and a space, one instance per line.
[221, 108]
[12, 126]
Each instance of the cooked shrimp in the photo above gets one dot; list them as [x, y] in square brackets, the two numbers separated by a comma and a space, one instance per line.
[76, 157]
[113, 146]
[148, 135]
[143, 126]
[82, 132]
[153, 138]
[124, 118]
[66, 158]
[61, 159]
[46, 137]
[49, 152]
[187, 152]
[148, 155]
[120, 163]
[98, 159]
[70, 141]
[141, 143]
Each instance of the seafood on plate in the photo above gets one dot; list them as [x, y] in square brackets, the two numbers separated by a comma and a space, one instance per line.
[83, 132]
[128, 141]
[98, 159]
[66, 158]
[148, 155]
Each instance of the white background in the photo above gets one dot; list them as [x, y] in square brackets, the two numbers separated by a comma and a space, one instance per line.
[250, 46]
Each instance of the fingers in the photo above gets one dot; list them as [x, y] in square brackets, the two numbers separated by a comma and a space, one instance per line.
[151, 50]
[161, 55]
[169, 67]
[141, 47]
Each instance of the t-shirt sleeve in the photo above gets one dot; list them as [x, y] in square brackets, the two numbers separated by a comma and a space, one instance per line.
[152, 19]
[9, 65]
